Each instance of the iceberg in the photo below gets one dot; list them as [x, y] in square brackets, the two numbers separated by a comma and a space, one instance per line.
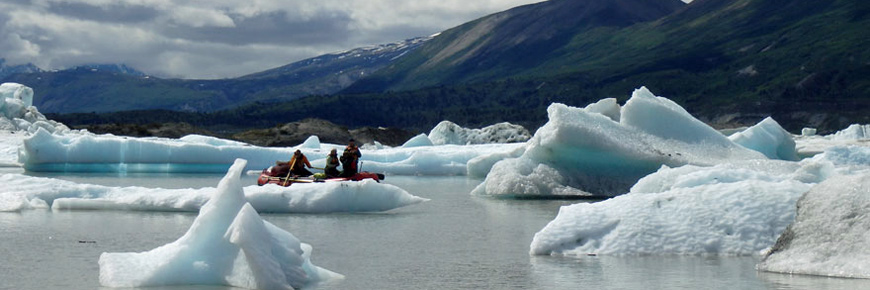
[23, 192]
[227, 244]
[447, 132]
[769, 138]
[87, 152]
[578, 152]
[829, 236]
[736, 208]
[17, 112]
[812, 144]
[418, 141]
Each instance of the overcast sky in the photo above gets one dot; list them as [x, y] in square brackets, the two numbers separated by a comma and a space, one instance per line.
[216, 38]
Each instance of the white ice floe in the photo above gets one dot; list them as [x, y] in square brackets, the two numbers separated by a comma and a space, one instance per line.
[830, 235]
[228, 244]
[448, 132]
[17, 112]
[85, 152]
[588, 153]
[769, 138]
[21, 192]
[418, 141]
[313, 142]
[734, 208]
[811, 144]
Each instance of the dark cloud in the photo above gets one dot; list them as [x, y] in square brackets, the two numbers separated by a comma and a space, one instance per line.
[198, 39]
[112, 13]
[271, 28]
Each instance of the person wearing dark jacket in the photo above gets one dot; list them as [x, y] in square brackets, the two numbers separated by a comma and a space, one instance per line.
[349, 159]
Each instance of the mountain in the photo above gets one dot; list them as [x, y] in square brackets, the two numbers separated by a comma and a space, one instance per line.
[111, 68]
[110, 88]
[731, 62]
[510, 43]
[728, 62]
[15, 69]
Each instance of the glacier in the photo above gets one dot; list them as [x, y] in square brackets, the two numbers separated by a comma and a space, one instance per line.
[227, 244]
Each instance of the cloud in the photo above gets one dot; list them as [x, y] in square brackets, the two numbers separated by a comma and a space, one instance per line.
[218, 38]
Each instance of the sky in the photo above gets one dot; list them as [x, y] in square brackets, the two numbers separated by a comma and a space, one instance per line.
[208, 39]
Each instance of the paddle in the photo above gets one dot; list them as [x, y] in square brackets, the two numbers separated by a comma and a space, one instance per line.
[290, 171]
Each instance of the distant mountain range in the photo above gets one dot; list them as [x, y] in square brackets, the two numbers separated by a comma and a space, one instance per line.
[729, 62]
[111, 88]
[7, 70]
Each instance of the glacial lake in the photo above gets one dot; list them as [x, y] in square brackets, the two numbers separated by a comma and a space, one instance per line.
[454, 241]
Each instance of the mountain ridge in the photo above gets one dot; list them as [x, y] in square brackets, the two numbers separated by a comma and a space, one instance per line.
[111, 87]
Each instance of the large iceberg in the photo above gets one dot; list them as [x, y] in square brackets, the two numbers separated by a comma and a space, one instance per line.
[228, 244]
[21, 192]
[734, 208]
[448, 132]
[831, 232]
[585, 152]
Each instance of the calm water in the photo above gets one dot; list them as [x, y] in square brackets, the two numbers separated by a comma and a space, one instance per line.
[454, 241]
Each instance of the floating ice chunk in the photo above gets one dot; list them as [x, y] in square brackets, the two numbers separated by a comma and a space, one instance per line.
[418, 141]
[228, 244]
[361, 196]
[829, 236]
[807, 132]
[769, 138]
[18, 114]
[205, 140]
[595, 155]
[608, 107]
[19, 193]
[853, 132]
[728, 209]
[313, 142]
[481, 166]
[87, 152]
[854, 135]
[14, 91]
[665, 119]
[847, 159]
[448, 132]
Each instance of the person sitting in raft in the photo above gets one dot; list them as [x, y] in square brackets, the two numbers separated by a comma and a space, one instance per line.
[349, 159]
[331, 168]
[296, 165]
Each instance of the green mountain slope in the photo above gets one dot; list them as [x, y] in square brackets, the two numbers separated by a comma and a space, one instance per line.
[509, 43]
[729, 61]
